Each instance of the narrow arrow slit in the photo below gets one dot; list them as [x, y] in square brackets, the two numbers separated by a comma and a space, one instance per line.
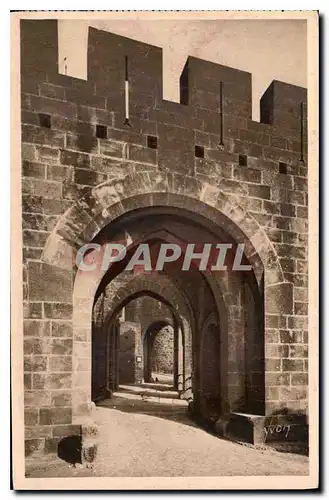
[301, 132]
[221, 113]
[126, 93]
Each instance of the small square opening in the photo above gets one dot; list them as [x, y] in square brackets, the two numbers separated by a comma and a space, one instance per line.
[282, 167]
[101, 131]
[199, 151]
[243, 160]
[44, 120]
[152, 142]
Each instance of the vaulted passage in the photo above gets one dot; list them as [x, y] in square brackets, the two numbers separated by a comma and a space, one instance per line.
[159, 353]
[197, 331]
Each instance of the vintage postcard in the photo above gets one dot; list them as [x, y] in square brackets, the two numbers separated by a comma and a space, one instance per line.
[164, 250]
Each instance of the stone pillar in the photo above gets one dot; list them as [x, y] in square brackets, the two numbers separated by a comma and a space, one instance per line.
[175, 355]
[236, 345]
[129, 371]
[48, 343]
[181, 361]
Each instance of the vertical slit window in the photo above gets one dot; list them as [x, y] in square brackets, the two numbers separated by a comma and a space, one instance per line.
[126, 92]
[282, 167]
[152, 142]
[44, 120]
[199, 151]
[101, 131]
[243, 160]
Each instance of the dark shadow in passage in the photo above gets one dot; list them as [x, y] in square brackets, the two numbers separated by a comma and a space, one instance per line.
[69, 449]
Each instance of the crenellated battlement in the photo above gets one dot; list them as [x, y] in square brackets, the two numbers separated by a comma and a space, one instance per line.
[213, 116]
[203, 84]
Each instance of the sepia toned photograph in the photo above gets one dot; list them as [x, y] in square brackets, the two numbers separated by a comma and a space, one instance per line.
[164, 229]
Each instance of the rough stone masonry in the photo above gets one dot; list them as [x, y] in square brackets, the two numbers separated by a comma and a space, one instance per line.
[174, 167]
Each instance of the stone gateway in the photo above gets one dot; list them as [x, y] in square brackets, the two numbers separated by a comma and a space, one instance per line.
[108, 160]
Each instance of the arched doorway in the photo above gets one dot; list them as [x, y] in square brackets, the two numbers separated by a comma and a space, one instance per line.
[125, 328]
[206, 293]
[219, 293]
[160, 353]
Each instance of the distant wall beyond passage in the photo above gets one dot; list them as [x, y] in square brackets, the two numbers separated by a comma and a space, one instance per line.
[162, 353]
[129, 349]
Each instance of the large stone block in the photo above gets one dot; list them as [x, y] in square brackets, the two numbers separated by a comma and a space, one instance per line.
[81, 160]
[175, 146]
[33, 169]
[31, 416]
[36, 328]
[33, 345]
[36, 239]
[276, 350]
[50, 416]
[33, 445]
[66, 430]
[112, 148]
[61, 328]
[292, 393]
[48, 283]
[263, 192]
[61, 346]
[43, 136]
[37, 398]
[46, 381]
[59, 398]
[39, 222]
[88, 177]
[58, 310]
[142, 154]
[35, 363]
[292, 365]
[60, 363]
[38, 431]
[248, 428]
[279, 298]
[298, 351]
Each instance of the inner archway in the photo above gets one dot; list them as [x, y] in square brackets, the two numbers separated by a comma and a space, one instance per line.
[223, 295]
[135, 302]
[159, 353]
[207, 293]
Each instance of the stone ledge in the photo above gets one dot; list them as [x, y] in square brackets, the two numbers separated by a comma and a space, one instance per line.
[262, 430]
[242, 426]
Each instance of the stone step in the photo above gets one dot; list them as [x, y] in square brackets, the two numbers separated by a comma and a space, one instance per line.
[150, 399]
[141, 391]
[156, 385]
[120, 403]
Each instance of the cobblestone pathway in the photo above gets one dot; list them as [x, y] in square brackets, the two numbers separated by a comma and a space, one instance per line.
[147, 433]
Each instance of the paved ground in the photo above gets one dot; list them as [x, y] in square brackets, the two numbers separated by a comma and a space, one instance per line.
[139, 439]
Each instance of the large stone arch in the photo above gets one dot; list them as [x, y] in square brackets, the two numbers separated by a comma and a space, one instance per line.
[221, 290]
[162, 287]
[167, 292]
[106, 202]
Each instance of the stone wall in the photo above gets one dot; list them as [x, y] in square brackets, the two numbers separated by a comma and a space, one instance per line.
[147, 310]
[162, 353]
[254, 166]
[128, 350]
